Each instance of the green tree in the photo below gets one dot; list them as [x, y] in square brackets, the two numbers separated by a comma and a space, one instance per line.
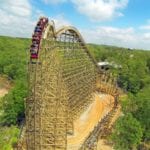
[139, 106]
[127, 133]
[143, 110]
[8, 137]
[148, 63]
[13, 104]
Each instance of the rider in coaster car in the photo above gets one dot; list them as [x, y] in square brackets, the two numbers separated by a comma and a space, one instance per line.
[34, 48]
[38, 29]
[37, 34]
[34, 56]
[40, 24]
[35, 41]
[43, 21]
[36, 37]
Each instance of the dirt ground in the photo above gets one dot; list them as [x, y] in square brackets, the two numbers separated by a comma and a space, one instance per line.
[85, 124]
[4, 86]
[3, 92]
[103, 145]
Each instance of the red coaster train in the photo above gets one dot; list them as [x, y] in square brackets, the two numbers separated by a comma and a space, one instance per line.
[36, 37]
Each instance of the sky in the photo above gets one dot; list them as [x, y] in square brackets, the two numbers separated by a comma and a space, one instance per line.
[123, 23]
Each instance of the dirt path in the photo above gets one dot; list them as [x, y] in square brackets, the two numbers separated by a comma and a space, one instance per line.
[85, 124]
[103, 145]
[3, 92]
[4, 86]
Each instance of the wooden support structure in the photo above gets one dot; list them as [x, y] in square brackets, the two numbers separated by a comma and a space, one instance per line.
[61, 83]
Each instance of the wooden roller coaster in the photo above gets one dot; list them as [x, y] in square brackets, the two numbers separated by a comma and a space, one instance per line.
[63, 77]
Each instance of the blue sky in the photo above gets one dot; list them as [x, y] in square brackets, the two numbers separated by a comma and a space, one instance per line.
[123, 23]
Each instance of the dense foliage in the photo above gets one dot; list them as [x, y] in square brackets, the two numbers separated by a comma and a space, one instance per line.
[8, 137]
[134, 78]
[127, 134]
[13, 63]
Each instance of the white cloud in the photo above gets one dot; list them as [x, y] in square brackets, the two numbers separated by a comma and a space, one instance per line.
[100, 10]
[16, 7]
[16, 18]
[53, 1]
[109, 35]
[60, 21]
[96, 10]
[15, 26]
[123, 37]
[145, 27]
[146, 37]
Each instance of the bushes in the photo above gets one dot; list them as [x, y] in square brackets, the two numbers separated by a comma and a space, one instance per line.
[13, 57]
[8, 137]
[13, 63]
[127, 133]
[130, 82]
[142, 112]
[13, 104]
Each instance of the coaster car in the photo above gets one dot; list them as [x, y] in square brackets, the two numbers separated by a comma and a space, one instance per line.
[36, 37]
